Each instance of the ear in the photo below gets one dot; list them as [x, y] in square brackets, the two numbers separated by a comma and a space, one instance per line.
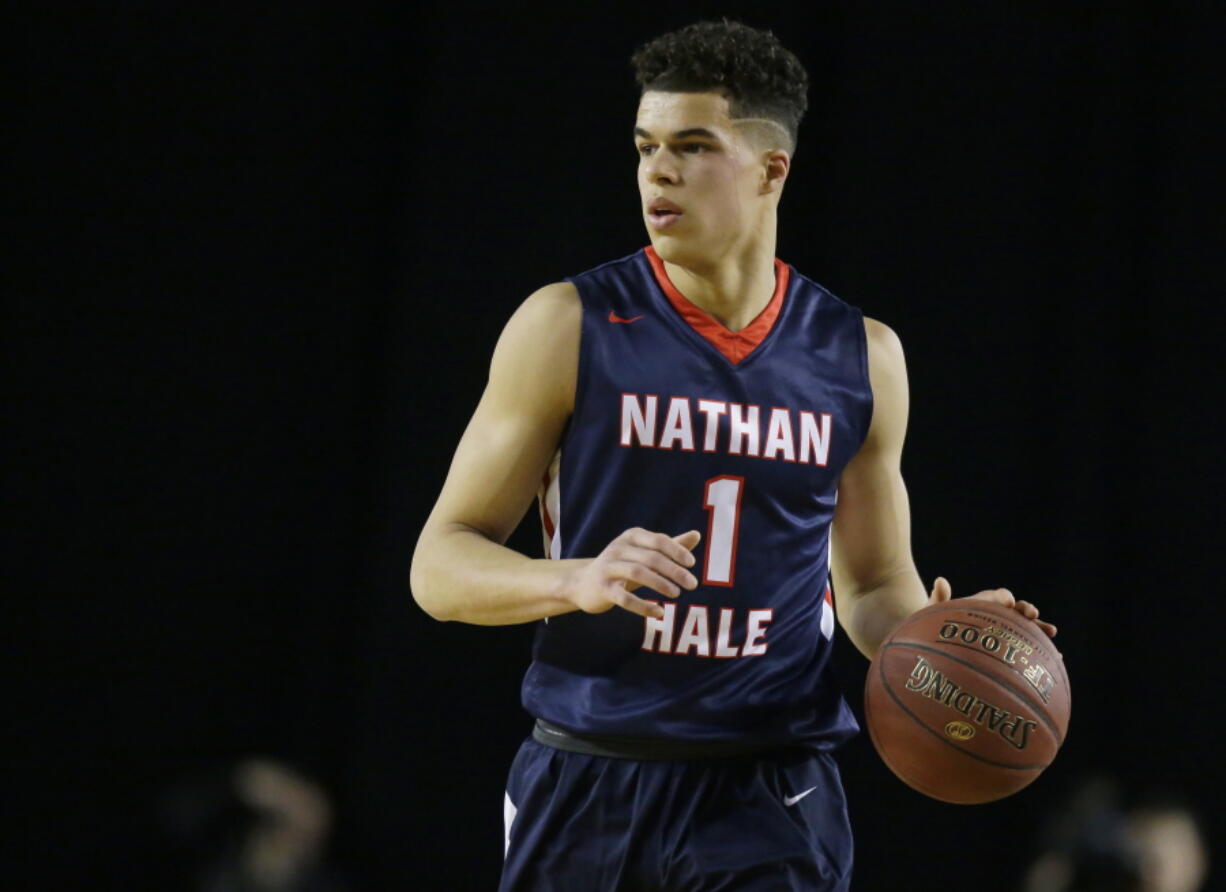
[775, 166]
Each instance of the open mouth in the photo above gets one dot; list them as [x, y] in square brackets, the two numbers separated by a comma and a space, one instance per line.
[663, 214]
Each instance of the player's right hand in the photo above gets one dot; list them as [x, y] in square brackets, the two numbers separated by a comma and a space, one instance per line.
[636, 558]
[942, 592]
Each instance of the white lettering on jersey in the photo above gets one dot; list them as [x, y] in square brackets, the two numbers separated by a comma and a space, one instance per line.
[712, 409]
[695, 633]
[695, 637]
[790, 435]
[658, 633]
[755, 632]
[779, 436]
[739, 428]
[722, 648]
[639, 420]
[810, 436]
[677, 426]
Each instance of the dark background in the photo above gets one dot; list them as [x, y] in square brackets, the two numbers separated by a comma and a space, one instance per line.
[261, 258]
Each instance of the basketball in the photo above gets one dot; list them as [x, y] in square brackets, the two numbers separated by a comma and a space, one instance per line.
[967, 701]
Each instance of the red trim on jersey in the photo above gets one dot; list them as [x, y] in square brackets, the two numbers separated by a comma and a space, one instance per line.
[735, 345]
[546, 520]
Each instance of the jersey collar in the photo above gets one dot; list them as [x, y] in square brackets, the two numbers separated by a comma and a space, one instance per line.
[734, 345]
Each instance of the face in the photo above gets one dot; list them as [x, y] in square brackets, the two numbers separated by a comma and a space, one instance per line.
[707, 190]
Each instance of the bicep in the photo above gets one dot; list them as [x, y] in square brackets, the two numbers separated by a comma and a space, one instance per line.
[872, 521]
[514, 432]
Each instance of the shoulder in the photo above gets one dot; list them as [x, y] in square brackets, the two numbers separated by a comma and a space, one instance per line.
[887, 370]
[555, 298]
[552, 313]
[884, 345]
[555, 312]
[538, 352]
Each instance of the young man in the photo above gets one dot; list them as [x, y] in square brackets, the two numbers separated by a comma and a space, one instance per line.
[687, 415]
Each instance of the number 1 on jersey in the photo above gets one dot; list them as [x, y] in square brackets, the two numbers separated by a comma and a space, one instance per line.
[722, 498]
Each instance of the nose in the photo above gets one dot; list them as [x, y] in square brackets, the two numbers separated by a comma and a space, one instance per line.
[661, 168]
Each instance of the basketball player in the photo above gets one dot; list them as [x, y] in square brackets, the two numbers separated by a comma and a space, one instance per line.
[687, 416]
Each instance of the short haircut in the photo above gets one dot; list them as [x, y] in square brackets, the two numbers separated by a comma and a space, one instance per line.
[759, 76]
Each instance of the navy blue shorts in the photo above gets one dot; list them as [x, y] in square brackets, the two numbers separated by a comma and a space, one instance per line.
[581, 823]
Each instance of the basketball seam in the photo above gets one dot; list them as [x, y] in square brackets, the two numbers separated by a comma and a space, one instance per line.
[975, 650]
[924, 788]
[1058, 659]
[1004, 617]
[1004, 683]
[885, 685]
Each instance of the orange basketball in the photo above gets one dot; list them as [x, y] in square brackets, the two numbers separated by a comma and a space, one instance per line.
[967, 701]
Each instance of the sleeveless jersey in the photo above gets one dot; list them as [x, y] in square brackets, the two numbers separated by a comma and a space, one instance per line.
[680, 424]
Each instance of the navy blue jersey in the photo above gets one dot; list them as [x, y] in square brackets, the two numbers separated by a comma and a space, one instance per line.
[681, 424]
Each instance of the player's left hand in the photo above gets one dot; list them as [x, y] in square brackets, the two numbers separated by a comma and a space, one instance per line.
[941, 592]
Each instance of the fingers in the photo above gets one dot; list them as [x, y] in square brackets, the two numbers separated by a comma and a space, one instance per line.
[1031, 612]
[1005, 598]
[623, 599]
[673, 549]
[1026, 609]
[642, 558]
[941, 592]
[633, 573]
[653, 560]
[688, 540]
[1001, 596]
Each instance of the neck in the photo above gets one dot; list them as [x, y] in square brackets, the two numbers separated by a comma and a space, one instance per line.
[735, 288]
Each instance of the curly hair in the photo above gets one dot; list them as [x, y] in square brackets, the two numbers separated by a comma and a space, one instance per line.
[761, 78]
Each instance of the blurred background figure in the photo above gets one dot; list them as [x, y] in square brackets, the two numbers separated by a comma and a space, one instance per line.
[1174, 855]
[253, 826]
[1102, 843]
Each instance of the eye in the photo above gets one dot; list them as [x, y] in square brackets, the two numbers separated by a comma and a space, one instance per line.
[646, 149]
[695, 148]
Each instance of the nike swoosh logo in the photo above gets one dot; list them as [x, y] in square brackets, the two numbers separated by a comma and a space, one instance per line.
[789, 801]
[613, 317]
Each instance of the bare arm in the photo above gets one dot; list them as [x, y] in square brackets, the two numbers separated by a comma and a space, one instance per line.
[874, 573]
[461, 568]
[876, 581]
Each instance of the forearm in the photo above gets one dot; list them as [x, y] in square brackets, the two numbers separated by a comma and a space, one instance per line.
[870, 615]
[460, 574]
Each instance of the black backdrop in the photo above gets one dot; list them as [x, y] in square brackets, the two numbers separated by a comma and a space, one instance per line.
[261, 259]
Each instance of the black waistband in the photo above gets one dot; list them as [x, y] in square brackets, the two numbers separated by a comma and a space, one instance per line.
[618, 747]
